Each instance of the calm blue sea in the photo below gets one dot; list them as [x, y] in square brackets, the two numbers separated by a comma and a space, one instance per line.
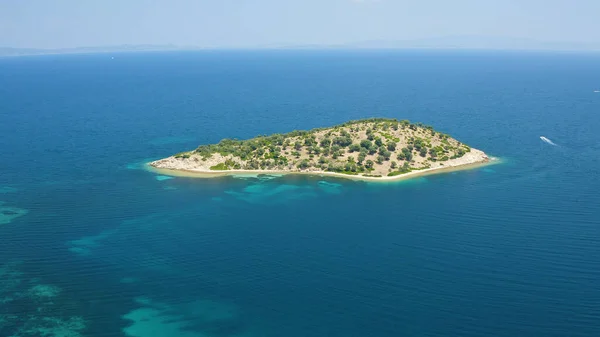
[92, 244]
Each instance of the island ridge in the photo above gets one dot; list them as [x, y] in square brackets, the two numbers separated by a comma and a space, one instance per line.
[376, 148]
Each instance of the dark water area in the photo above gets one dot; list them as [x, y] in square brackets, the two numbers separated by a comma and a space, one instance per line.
[92, 244]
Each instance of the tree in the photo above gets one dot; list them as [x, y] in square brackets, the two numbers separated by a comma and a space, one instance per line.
[310, 141]
[361, 157]
[393, 165]
[343, 141]
[370, 134]
[297, 146]
[380, 159]
[406, 167]
[325, 142]
[378, 141]
[350, 165]
[366, 144]
[406, 154]
[391, 146]
[369, 164]
[304, 164]
[354, 148]
[253, 165]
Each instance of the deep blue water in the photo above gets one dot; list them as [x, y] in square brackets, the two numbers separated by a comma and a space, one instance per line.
[507, 250]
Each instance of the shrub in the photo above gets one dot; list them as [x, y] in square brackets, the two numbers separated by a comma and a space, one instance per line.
[219, 167]
[361, 157]
[304, 164]
[343, 141]
[354, 148]
[182, 155]
[404, 169]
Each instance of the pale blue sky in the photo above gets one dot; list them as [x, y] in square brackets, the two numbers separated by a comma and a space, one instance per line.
[255, 23]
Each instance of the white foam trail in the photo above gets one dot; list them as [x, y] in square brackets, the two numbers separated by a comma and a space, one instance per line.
[546, 140]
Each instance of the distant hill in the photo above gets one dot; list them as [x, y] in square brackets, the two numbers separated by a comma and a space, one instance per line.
[473, 42]
[7, 51]
[449, 42]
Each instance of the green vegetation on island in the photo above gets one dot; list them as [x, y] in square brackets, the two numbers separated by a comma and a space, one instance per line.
[373, 147]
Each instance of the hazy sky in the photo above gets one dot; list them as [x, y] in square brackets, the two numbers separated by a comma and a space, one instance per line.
[247, 23]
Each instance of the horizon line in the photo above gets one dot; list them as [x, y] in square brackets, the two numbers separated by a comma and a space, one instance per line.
[161, 48]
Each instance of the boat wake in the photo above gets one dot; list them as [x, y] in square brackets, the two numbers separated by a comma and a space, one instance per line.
[547, 141]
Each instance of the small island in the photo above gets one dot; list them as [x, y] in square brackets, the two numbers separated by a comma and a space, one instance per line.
[372, 149]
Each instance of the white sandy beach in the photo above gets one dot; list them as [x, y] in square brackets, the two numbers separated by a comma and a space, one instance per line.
[194, 167]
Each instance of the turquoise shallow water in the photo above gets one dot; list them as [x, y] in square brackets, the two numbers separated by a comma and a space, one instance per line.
[92, 244]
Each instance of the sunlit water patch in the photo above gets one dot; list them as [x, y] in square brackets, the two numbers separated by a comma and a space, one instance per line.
[273, 193]
[128, 280]
[196, 318]
[9, 213]
[329, 187]
[259, 176]
[7, 189]
[86, 244]
[121, 243]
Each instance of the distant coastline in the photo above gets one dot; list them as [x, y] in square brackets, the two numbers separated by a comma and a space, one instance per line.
[474, 43]
[372, 149]
[14, 52]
